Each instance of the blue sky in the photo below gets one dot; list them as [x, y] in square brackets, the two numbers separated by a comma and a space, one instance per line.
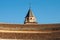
[45, 11]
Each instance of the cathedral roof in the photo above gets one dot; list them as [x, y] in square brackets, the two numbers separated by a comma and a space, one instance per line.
[29, 14]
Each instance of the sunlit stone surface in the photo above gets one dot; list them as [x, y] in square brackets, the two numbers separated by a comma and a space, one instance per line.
[16, 39]
[29, 32]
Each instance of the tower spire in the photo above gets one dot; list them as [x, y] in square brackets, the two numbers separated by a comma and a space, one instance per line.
[30, 18]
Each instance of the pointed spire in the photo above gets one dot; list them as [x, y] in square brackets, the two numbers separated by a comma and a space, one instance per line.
[29, 14]
[30, 18]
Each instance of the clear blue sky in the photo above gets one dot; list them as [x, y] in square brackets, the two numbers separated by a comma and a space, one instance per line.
[14, 11]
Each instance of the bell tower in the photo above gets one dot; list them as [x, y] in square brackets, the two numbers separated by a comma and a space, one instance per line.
[30, 18]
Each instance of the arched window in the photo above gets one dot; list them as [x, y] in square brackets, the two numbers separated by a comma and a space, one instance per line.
[30, 18]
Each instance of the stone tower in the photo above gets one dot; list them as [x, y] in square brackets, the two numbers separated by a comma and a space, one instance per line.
[30, 18]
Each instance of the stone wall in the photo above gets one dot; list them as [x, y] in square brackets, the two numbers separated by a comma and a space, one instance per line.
[30, 36]
[19, 27]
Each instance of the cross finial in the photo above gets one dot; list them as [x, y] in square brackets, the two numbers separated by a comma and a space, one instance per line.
[30, 5]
